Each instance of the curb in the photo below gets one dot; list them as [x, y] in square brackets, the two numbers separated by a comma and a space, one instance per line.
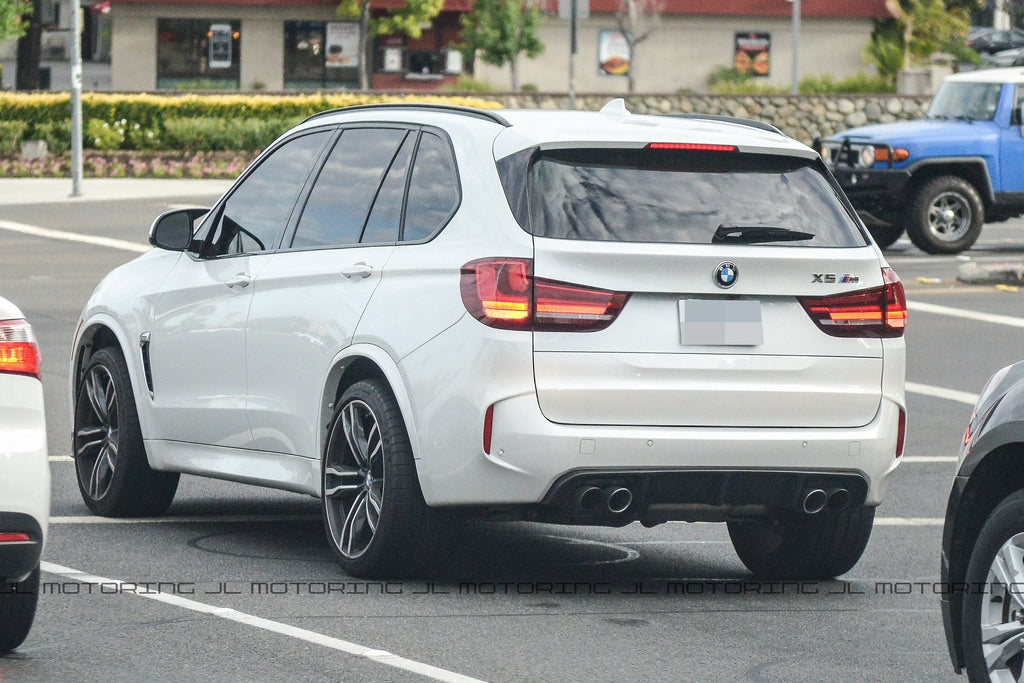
[972, 273]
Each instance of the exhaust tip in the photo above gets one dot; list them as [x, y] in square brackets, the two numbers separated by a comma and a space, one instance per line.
[588, 498]
[618, 499]
[838, 499]
[815, 501]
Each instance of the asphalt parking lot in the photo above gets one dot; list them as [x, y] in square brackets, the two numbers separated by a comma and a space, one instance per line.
[237, 582]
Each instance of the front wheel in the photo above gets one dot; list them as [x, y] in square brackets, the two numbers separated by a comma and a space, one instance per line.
[114, 475]
[993, 616]
[801, 546]
[373, 509]
[885, 236]
[944, 216]
[18, 602]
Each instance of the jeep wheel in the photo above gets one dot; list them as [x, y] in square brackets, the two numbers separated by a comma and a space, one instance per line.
[801, 546]
[944, 216]
[886, 235]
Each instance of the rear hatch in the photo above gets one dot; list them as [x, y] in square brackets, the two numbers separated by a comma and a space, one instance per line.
[719, 254]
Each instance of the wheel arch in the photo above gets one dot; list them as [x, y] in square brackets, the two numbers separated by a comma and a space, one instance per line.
[367, 361]
[97, 333]
[973, 170]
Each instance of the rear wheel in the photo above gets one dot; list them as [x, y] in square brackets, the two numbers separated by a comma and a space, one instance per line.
[114, 475]
[993, 618]
[944, 216]
[18, 602]
[886, 235]
[373, 509]
[802, 546]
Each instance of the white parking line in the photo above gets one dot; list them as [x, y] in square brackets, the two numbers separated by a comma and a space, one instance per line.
[922, 307]
[202, 519]
[964, 397]
[929, 458]
[909, 521]
[109, 242]
[313, 637]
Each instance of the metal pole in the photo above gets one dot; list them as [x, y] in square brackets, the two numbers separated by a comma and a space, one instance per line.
[572, 53]
[795, 88]
[76, 100]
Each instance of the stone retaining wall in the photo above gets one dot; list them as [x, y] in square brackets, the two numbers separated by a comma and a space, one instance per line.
[803, 117]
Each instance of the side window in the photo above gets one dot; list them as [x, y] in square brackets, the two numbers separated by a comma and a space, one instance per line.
[433, 189]
[386, 214]
[257, 212]
[340, 201]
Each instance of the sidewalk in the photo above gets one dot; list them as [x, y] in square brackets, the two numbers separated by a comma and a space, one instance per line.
[50, 190]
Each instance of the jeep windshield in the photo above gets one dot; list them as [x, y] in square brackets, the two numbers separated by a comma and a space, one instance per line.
[685, 197]
[965, 100]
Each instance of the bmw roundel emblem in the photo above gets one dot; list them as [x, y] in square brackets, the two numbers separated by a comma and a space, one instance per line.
[726, 274]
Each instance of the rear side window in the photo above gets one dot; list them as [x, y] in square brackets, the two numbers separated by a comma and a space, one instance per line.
[433, 189]
[685, 197]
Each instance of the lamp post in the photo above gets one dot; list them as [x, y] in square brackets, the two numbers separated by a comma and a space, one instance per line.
[795, 87]
[76, 100]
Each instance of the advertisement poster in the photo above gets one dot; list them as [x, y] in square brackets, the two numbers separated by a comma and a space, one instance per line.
[342, 44]
[612, 53]
[753, 53]
[220, 46]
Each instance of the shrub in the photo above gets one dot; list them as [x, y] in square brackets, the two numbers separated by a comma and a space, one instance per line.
[57, 136]
[861, 83]
[11, 135]
[725, 80]
[104, 136]
[204, 133]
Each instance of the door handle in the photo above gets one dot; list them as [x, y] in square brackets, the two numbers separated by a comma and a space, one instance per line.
[360, 270]
[239, 281]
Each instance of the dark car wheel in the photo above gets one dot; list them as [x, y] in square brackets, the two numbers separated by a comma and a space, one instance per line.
[114, 475]
[18, 602]
[993, 615]
[944, 216]
[802, 546]
[373, 509]
[886, 236]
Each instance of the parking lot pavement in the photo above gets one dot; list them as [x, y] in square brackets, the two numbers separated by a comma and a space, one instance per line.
[50, 190]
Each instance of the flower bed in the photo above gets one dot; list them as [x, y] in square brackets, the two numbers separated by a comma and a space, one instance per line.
[209, 165]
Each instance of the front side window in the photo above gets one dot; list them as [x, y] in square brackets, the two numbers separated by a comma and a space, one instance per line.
[256, 214]
[965, 100]
[685, 197]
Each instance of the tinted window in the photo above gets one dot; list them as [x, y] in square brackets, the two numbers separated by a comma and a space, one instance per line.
[965, 100]
[337, 207]
[386, 214]
[256, 214]
[682, 197]
[433, 189]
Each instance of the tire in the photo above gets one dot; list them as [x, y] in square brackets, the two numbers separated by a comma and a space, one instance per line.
[886, 236]
[801, 546]
[374, 515]
[944, 216]
[994, 601]
[114, 476]
[18, 602]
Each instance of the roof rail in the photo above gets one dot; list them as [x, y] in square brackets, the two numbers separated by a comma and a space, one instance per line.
[760, 125]
[486, 114]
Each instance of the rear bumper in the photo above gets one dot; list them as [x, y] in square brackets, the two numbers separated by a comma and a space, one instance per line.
[19, 558]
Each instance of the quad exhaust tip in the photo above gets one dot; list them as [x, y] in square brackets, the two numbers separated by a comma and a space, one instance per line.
[613, 499]
[816, 500]
[618, 499]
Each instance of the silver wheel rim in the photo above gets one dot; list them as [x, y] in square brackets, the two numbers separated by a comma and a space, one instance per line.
[949, 216]
[1002, 613]
[97, 434]
[354, 479]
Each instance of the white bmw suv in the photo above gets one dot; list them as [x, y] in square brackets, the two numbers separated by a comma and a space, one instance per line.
[566, 317]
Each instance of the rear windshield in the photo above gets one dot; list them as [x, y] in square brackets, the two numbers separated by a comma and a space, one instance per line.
[685, 197]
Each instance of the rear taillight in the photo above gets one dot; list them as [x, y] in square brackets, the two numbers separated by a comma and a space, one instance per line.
[502, 293]
[877, 312]
[18, 351]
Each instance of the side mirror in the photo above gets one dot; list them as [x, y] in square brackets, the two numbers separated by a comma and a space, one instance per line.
[173, 230]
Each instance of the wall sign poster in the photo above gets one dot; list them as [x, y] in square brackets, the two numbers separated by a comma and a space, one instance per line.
[220, 46]
[612, 53]
[753, 53]
[342, 44]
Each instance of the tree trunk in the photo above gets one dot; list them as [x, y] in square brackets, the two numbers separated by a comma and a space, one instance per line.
[513, 68]
[30, 47]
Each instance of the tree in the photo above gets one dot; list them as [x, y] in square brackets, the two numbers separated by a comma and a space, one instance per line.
[637, 21]
[13, 15]
[408, 19]
[920, 29]
[501, 30]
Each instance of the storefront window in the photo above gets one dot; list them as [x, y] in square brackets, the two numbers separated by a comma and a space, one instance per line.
[321, 55]
[198, 54]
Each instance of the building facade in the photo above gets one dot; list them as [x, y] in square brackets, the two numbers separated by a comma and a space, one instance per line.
[301, 45]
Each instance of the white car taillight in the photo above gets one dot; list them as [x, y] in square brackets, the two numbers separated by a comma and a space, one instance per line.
[876, 312]
[19, 353]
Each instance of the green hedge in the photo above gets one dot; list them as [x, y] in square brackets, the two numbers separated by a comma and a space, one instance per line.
[11, 135]
[193, 122]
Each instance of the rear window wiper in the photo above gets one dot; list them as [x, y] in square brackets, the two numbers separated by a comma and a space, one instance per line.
[751, 234]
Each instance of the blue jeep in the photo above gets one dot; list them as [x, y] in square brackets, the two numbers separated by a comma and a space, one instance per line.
[942, 177]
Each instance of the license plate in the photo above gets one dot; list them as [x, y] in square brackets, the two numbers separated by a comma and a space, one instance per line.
[720, 322]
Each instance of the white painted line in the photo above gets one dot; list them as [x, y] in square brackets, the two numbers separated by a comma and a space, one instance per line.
[205, 519]
[109, 242]
[272, 626]
[61, 458]
[922, 307]
[909, 521]
[929, 458]
[964, 397]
